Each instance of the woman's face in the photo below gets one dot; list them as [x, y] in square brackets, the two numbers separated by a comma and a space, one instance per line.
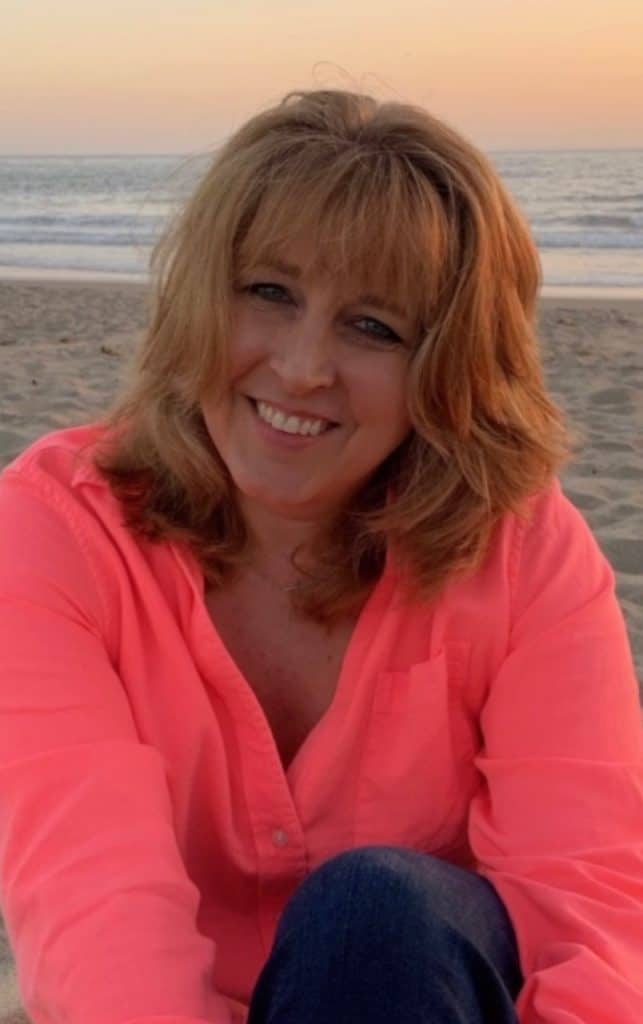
[316, 396]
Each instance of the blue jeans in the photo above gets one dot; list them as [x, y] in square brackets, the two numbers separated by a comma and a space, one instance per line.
[385, 934]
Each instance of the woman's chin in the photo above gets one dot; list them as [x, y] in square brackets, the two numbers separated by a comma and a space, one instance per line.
[289, 502]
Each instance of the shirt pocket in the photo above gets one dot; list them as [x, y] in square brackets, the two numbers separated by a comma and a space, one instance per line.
[417, 773]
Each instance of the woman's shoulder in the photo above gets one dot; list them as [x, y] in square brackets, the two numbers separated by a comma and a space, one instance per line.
[548, 535]
[53, 499]
[541, 564]
[63, 455]
[555, 540]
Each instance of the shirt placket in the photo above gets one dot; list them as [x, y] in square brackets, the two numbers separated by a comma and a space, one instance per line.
[280, 848]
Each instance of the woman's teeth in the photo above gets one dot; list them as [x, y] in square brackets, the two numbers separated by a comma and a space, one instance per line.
[290, 424]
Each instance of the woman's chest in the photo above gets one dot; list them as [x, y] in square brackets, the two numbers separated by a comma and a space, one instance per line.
[392, 762]
[292, 666]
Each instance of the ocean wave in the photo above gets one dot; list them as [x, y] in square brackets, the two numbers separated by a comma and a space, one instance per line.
[122, 220]
[603, 197]
[75, 237]
[602, 220]
[588, 240]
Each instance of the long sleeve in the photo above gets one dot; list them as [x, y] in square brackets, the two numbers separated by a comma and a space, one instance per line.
[557, 825]
[100, 911]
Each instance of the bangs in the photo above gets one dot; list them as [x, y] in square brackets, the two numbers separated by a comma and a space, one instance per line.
[374, 221]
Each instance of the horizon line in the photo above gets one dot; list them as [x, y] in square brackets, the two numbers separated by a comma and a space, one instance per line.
[502, 149]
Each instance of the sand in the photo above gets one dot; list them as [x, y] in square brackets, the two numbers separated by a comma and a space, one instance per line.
[64, 348]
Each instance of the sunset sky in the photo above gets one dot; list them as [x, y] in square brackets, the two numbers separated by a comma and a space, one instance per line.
[132, 76]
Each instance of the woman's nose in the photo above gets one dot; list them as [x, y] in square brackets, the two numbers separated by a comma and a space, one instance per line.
[304, 360]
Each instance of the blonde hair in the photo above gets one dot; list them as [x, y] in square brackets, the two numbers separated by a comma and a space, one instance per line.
[397, 198]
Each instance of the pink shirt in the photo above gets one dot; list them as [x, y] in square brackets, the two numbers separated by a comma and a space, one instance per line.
[149, 836]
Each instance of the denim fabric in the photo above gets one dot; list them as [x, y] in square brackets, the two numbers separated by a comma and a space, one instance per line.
[385, 934]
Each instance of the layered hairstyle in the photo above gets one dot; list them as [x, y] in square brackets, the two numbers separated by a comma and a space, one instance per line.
[401, 202]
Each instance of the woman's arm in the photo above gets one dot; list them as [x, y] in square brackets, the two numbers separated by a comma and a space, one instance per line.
[99, 909]
[558, 825]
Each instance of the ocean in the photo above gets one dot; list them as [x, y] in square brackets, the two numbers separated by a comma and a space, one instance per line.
[98, 217]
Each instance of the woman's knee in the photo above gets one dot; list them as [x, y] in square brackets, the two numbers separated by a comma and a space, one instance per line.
[380, 933]
[396, 892]
[368, 877]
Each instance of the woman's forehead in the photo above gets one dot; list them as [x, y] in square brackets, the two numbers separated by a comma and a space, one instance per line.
[349, 285]
[296, 257]
[377, 280]
[391, 240]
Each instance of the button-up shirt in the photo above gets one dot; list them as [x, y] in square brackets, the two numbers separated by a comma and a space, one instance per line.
[150, 836]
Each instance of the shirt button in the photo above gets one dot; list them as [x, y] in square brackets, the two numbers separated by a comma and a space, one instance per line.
[279, 837]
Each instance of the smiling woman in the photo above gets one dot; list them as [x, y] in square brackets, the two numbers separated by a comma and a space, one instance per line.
[316, 700]
[382, 227]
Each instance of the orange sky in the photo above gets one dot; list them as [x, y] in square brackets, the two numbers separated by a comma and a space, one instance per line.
[134, 76]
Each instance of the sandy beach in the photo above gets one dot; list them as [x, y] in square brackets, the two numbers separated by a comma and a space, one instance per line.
[64, 347]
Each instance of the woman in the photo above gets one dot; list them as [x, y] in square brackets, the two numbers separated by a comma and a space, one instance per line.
[316, 697]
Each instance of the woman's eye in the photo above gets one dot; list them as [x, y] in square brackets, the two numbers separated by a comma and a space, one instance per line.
[376, 329]
[268, 291]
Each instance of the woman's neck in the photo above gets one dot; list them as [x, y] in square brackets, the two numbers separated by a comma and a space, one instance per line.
[275, 536]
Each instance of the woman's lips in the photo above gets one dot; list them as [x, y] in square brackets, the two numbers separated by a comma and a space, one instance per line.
[282, 437]
[301, 415]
